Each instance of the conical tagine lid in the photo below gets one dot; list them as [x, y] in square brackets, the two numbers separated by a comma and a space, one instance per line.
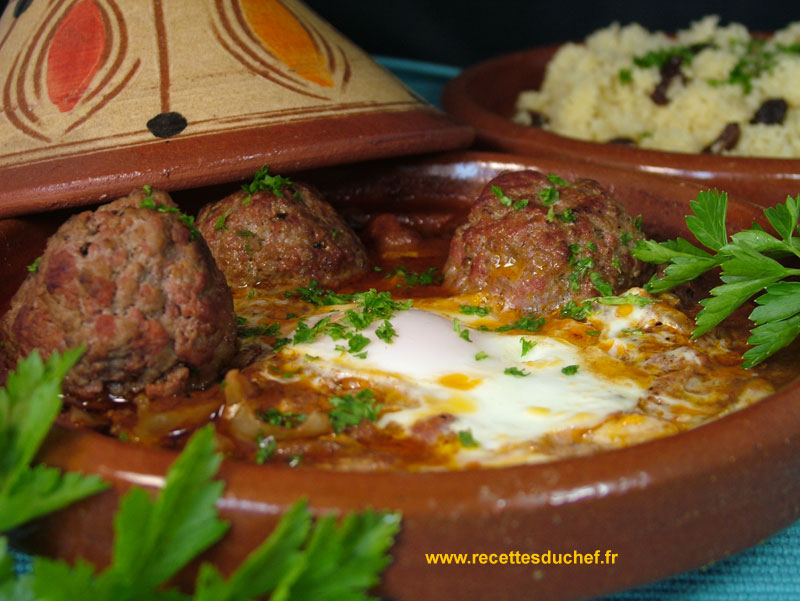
[100, 96]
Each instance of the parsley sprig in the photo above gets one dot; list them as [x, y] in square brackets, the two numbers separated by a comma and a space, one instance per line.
[156, 537]
[749, 266]
[28, 405]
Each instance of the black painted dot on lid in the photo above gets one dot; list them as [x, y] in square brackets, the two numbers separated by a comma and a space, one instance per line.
[20, 7]
[166, 125]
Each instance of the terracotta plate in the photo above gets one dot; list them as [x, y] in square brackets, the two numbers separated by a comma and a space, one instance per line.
[101, 96]
[664, 507]
[484, 96]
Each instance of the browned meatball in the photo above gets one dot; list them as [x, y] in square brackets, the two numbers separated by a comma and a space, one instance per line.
[139, 290]
[536, 242]
[281, 237]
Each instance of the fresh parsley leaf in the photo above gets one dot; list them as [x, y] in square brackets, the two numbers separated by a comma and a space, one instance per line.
[769, 338]
[570, 370]
[557, 180]
[783, 217]
[481, 355]
[708, 222]
[515, 371]
[155, 539]
[749, 266]
[29, 404]
[34, 267]
[341, 561]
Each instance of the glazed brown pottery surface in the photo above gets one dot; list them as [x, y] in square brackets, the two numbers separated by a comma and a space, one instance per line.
[663, 507]
[484, 96]
[101, 96]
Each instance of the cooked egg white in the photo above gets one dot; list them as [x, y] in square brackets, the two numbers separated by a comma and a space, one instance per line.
[502, 397]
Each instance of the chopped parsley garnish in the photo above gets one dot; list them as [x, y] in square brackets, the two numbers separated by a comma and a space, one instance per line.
[474, 310]
[187, 220]
[527, 345]
[386, 331]
[371, 306]
[570, 370]
[262, 180]
[749, 267]
[581, 267]
[600, 284]
[625, 76]
[529, 323]
[245, 331]
[581, 310]
[568, 216]
[757, 56]
[576, 311]
[219, 224]
[625, 238]
[515, 371]
[34, 267]
[305, 333]
[267, 445]
[592, 332]
[557, 180]
[276, 417]
[466, 439]
[549, 196]
[463, 333]
[658, 58]
[506, 201]
[351, 410]
[431, 276]
[251, 292]
[520, 204]
[481, 355]
[632, 331]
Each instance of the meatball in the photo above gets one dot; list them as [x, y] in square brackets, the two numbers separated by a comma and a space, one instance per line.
[139, 289]
[281, 237]
[536, 242]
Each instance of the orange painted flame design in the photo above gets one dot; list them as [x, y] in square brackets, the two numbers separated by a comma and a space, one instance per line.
[287, 39]
[76, 52]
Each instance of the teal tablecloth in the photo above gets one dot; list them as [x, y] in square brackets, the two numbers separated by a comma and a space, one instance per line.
[767, 572]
